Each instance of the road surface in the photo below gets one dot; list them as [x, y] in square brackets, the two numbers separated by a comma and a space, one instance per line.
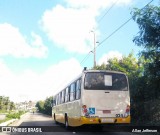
[38, 120]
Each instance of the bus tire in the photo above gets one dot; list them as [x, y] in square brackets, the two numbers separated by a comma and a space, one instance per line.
[66, 122]
[55, 119]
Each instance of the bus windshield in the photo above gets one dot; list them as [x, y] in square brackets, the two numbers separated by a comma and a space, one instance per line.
[105, 81]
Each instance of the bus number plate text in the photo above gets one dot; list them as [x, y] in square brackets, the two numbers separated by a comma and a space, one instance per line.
[120, 115]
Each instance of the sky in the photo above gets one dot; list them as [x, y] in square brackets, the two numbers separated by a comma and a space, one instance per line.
[45, 44]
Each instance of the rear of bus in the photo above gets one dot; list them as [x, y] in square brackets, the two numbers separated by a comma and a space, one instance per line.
[105, 98]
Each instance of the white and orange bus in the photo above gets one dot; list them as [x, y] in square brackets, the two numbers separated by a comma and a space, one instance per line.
[95, 97]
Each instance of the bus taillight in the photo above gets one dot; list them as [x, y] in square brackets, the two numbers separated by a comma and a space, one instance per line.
[85, 110]
[128, 109]
[127, 113]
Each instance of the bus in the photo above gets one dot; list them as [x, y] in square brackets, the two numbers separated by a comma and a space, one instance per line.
[94, 97]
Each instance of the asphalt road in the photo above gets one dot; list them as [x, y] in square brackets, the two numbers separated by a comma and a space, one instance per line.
[38, 120]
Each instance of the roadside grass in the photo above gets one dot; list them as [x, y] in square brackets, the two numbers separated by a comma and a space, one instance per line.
[6, 119]
[12, 115]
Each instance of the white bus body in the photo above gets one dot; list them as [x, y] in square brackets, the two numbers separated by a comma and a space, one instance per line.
[95, 97]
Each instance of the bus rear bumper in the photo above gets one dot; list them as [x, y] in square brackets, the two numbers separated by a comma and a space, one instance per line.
[105, 120]
[96, 120]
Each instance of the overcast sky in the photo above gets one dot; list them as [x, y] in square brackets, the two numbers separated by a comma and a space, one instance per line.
[43, 43]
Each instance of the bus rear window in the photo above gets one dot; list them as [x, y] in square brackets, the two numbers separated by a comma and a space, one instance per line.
[105, 81]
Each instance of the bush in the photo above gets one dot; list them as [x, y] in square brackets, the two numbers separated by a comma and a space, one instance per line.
[12, 115]
[15, 115]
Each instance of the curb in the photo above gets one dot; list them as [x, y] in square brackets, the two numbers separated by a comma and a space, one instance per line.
[7, 122]
[11, 121]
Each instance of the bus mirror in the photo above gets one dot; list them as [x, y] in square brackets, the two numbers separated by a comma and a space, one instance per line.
[85, 68]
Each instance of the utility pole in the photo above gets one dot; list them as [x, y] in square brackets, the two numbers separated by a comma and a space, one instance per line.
[94, 50]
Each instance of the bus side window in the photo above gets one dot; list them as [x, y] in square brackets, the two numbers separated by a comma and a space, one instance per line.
[72, 91]
[57, 98]
[67, 94]
[63, 96]
[60, 97]
[78, 89]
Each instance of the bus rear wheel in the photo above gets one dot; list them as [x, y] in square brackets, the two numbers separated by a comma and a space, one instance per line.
[55, 119]
[66, 123]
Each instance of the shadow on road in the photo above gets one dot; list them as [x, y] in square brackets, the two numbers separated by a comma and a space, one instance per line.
[37, 123]
[50, 126]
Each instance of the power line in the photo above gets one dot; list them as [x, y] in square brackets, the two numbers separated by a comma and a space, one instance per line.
[85, 58]
[114, 32]
[107, 11]
[120, 27]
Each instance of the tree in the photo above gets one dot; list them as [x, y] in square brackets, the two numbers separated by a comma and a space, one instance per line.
[1, 102]
[12, 106]
[6, 104]
[148, 37]
[47, 106]
[40, 106]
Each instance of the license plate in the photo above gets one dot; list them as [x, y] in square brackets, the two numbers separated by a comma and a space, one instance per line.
[105, 120]
[106, 111]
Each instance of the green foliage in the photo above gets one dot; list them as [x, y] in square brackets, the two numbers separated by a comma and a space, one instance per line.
[12, 115]
[40, 105]
[45, 106]
[6, 119]
[147, 98]
[15, 115]
[149, 25]
[148, 20]
[12, 106]
[6, 104]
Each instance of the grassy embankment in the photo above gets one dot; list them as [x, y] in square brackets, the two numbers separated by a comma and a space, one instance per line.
[11, 115]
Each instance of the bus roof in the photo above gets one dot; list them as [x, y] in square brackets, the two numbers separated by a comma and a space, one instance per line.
[109, 71]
